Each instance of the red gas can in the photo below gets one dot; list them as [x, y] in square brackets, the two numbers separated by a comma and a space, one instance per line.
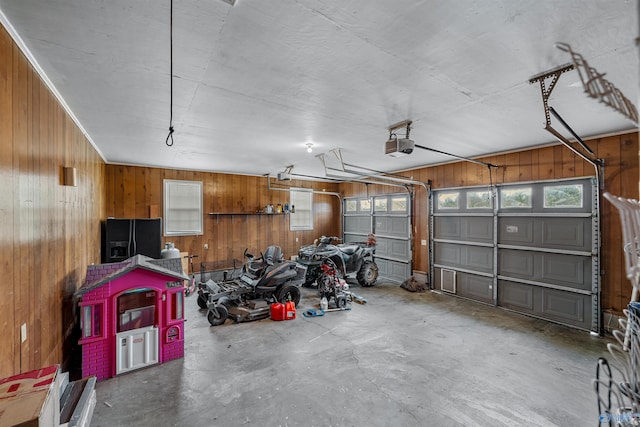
[290, 310]
[277, 310]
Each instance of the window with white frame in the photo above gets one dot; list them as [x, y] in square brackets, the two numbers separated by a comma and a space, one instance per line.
[182, 208]
[301, 217]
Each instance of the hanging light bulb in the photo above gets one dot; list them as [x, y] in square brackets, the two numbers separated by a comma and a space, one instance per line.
[309, 149]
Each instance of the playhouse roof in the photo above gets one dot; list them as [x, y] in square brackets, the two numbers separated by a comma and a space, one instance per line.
[99, 274]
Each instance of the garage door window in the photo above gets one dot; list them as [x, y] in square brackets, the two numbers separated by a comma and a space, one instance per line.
[563, 196]
[380, 205]
[478, 200]
[515, 197]
[449, 200]
[398, 204]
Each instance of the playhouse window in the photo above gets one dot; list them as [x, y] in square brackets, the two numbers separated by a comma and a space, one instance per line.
[176, 305]
[91, 321]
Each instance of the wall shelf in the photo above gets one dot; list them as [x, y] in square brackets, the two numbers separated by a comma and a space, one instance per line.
[246, 214]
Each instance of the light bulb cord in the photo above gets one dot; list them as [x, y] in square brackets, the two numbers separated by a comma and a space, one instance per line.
[170, 135]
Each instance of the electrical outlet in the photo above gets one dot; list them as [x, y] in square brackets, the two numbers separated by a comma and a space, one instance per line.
[206, 246]
[296, 240]
[23, 332]
[424, 242]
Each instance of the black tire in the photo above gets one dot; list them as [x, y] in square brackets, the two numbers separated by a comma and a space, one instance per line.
[202, 300]
[288, 293]
[368, 274]
[223, 313]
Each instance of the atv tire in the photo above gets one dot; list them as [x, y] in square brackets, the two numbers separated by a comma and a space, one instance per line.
[368, 274]
[223, 313]
[288, 293]
[203, 300]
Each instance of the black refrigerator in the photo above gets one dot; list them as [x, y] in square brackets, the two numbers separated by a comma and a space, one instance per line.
[124, 238]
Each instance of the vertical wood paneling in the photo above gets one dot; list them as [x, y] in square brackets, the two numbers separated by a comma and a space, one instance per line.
[545, 163]
[511, 167]
[525, 166]
[23, 209]
[226, 235]
[615, 287]
[558, 169]
[568, 163]
[48, 232]
[140, 188]
[10, 285]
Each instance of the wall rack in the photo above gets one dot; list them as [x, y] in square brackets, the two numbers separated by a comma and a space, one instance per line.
[246, 214]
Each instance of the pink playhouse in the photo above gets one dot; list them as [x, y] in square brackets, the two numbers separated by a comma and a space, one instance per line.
[131, 315]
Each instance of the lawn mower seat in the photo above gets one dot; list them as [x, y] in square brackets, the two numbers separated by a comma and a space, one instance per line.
[273, 254]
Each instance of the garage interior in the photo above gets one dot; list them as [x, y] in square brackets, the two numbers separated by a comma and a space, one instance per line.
[102, 103]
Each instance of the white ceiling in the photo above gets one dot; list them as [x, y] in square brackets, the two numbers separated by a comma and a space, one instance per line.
[255, 82]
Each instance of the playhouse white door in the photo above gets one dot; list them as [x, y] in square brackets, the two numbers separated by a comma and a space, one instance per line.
[136, 349]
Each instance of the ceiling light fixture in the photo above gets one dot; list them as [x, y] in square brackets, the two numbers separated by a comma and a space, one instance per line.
[170, 135]
[309, 145]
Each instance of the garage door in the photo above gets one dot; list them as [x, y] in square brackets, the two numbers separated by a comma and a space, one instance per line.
[389, 218]
[534, 251]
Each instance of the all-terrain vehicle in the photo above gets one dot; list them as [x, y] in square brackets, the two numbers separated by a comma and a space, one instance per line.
[263, 281]
[348, 259]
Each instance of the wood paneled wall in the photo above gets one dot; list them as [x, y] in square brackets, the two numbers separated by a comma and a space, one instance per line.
[49, 233]
[620, 154]
[136, 192]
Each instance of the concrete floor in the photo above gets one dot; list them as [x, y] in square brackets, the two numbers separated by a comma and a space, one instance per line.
[402, 359]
